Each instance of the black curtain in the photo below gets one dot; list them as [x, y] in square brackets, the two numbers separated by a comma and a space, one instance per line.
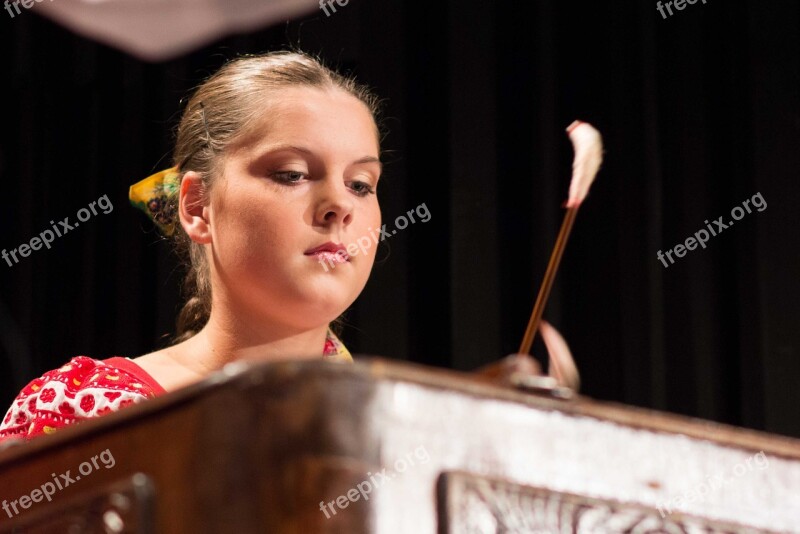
[699, 112]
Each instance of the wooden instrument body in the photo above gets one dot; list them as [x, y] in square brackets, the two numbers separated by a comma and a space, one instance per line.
[395, 447]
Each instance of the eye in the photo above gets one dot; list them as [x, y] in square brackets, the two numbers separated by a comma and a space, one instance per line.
[288, 177]
[362, 189]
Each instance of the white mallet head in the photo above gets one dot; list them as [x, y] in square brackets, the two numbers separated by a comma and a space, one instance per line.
[588, 146]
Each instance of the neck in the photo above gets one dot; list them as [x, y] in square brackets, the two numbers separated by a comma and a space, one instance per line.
[224, 340]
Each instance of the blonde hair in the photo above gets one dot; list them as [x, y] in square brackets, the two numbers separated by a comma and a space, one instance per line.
[219, 112]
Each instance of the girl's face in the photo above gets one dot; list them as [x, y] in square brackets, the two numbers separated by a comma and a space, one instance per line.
[304, 179]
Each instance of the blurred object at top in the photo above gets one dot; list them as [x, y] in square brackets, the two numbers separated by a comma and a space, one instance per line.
[158, 30]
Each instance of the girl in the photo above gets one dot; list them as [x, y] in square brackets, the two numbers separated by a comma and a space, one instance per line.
[277, 162]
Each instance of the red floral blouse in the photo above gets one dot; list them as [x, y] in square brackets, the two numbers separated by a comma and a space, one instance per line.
[80, 389]
[85, 388]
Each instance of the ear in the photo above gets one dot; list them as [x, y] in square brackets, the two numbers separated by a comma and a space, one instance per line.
[193, 212]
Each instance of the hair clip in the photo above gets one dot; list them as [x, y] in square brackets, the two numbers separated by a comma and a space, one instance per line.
[153, 196]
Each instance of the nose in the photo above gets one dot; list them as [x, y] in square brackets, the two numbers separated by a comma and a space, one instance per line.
[335, 204]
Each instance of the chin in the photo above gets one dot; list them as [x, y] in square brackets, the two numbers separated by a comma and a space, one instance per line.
[320, 297]
[322, 304]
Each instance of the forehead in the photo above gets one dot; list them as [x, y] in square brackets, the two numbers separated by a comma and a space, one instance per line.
[313, 115]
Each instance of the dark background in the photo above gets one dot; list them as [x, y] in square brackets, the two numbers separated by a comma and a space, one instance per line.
[699, 112]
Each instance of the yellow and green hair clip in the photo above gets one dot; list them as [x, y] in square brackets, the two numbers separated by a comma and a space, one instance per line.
[154, 196]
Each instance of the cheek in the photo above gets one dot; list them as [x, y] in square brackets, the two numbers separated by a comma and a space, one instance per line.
[369, 232]
[370, 216]
[254, 231]
[270, 237]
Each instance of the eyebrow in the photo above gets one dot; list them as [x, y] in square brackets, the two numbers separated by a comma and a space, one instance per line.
[303, 150]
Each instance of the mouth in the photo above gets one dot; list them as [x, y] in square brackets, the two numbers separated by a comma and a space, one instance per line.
[330, 252]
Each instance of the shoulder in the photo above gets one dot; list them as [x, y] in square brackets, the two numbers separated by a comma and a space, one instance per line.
[80, 389]
[162, 366]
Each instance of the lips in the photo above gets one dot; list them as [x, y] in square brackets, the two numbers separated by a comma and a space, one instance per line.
[329, 250]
